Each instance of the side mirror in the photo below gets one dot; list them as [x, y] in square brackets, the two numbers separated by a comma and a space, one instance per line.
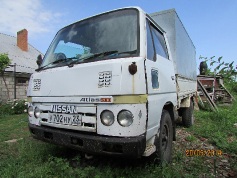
[39, 60]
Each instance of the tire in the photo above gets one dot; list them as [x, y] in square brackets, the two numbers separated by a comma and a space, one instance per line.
[163, 142]
[187, 116]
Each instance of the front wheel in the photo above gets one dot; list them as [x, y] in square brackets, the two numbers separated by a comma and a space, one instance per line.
[164, 140]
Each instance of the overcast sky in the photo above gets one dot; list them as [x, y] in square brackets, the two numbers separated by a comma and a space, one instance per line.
[211, 24]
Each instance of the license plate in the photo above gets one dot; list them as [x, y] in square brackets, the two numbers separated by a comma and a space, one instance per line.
[65, 119]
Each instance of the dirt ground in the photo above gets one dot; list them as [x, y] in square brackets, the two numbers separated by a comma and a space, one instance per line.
[218, 162]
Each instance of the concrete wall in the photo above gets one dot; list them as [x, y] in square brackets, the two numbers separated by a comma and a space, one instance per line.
[21, 89]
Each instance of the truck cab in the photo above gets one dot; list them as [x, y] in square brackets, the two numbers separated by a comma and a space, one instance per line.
[107, 85]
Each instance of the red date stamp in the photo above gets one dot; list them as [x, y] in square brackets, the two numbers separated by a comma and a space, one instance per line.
[197, 152]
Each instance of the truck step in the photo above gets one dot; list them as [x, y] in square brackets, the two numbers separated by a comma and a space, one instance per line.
[149, 150]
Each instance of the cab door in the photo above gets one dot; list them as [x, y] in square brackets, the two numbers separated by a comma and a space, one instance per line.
[161, 85]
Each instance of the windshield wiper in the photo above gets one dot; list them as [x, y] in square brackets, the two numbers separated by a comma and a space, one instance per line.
[56, 62]
[102, 54]
[128, 52]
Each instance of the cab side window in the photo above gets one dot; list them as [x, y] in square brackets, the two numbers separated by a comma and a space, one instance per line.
[155, 42]
[159, 42]
[150, 48]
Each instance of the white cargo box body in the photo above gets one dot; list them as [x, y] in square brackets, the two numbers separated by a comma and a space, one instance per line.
[182, 50]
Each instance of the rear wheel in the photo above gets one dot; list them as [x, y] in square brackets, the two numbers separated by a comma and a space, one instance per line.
[164, 140]
[187, 115]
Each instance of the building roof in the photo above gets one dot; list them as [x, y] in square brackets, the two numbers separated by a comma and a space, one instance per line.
[25, 60]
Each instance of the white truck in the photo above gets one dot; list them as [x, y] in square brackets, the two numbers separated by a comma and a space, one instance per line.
[115, 83]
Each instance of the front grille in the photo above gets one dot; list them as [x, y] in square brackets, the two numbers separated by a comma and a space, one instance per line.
[82, 120]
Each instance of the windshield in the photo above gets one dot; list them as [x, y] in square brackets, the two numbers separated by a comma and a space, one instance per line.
[107, 36]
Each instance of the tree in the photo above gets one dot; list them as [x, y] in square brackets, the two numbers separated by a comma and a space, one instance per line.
[4, 62]
[220, 67]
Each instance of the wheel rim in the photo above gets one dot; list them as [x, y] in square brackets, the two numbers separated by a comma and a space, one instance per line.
[164, 138]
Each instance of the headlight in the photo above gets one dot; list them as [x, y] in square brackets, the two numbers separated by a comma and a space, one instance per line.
[37, 112]
[30, 111]
[107, 117]
[125, 118]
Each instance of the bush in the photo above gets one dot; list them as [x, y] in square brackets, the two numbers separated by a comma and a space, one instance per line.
[5, 109]
[232, 86]
[14, 107]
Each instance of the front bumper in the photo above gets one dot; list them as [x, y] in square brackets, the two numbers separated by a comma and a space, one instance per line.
[91, 143]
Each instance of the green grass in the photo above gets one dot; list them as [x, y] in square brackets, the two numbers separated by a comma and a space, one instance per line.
[191, 138]
[13, 127]
[218, 127]
[31, 158]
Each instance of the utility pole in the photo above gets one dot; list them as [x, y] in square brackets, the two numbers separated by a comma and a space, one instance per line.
[14, 75]
[14, 80]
